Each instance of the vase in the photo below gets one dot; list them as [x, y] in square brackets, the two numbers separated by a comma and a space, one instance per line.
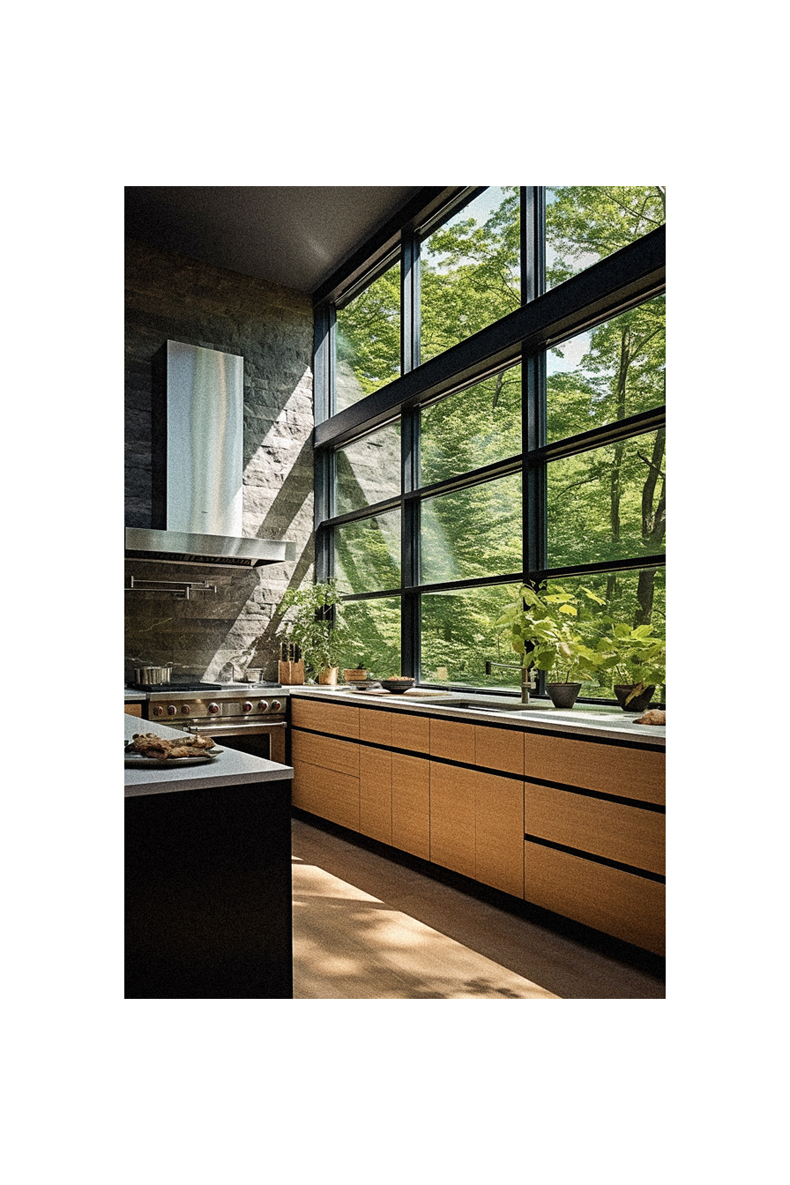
[563, 695]
[328, 676]
[639, 702]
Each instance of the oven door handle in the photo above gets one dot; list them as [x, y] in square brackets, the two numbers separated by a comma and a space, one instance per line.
[254, 726]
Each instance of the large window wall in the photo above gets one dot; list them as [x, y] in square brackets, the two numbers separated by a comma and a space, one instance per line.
[490, 403]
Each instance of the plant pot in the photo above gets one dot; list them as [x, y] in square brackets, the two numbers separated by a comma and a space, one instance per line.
[328, 677]
[639, 703]
[563, 695]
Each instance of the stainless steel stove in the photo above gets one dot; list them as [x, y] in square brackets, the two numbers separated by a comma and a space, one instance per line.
[245, 716]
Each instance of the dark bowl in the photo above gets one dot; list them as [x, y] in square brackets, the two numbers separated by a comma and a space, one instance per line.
[397, 685]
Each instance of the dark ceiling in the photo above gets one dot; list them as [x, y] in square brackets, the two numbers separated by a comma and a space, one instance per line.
[295, 235]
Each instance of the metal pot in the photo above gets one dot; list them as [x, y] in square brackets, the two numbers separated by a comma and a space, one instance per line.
[153, 674]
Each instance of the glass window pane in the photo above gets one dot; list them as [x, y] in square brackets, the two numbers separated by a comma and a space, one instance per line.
[473, 532]
[368, 470]
[367, 554]
[636, 598]
[470, 273]
[368, 340]
[608, 503]
[459, 637]
[373, 636]
[471, 428]
[608, 373]
[585, 223]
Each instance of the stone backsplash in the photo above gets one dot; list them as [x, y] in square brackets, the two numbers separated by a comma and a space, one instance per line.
[217, 635]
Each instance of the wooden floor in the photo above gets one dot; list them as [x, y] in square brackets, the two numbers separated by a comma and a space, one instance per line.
[367, 928]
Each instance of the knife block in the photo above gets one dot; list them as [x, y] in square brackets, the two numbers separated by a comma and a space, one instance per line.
[290, 673]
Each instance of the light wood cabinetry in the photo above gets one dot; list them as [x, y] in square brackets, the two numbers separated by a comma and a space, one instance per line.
[479, 799]
[133, 709]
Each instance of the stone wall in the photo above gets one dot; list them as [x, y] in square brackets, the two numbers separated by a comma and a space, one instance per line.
[218, 635]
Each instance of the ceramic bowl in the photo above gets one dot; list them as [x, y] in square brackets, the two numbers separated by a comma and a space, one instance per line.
[397, 685]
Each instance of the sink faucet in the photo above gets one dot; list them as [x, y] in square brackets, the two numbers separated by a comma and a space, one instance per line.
[527, 680]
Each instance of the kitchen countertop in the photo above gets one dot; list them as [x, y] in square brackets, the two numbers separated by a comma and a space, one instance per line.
[605, 720]
[231, 768]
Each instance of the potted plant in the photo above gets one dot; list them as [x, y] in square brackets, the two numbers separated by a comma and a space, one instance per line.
[309, 626]
[542, 633]
[637, 658]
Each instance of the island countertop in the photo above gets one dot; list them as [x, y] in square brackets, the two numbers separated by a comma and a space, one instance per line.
[231, 768]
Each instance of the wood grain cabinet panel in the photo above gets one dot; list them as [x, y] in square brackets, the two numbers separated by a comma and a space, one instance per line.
[411, 732]
[133, 709]
[375, 793]
[341, 756]
[340, 719]
[631, 773]
[618, 903]
[453, 739]
[326, 793]
[453, 817]
[499, 833]
[411, 805]
[375, 727]
[628, 834]
[499, 749]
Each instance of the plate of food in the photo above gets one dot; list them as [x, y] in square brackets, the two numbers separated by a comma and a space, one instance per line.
[147, 749]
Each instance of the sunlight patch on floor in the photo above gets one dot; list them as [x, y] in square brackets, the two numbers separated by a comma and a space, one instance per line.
[350, 945]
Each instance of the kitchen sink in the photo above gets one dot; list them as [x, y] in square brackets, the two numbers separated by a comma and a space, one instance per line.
[483, 707]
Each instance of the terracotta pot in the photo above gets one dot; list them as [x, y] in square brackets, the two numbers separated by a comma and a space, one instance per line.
[328, 676]
[563, 695]
[639, 703]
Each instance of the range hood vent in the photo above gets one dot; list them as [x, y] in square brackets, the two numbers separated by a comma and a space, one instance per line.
[197, 465]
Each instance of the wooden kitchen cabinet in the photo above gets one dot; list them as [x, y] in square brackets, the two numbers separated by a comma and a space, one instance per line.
[375, 793]
[453, 817]
[336, 719]
[477, 826]
[630, 772]
[326, 777]
[411, 815]
[133, 709]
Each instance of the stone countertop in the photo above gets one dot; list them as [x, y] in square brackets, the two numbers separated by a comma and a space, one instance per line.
[594, 720]
[231, 768]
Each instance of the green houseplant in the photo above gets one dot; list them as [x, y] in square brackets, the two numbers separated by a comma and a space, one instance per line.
[309, 626]
[637, 658]
[543, 634]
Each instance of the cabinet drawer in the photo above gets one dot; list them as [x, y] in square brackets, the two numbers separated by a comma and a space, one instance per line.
[630, 773]
[375, 727]
[326, 793]
[334, 718]
[375, 793]
[627, 834]
[410, 732]
[618, 903]
[411, 805]
[133, 709]
[499, 749]
[453, 739]
[341, 756]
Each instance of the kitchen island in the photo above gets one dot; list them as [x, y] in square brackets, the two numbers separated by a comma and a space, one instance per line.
[208, 877]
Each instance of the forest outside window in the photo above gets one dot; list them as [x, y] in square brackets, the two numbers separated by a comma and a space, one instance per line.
[367, 340]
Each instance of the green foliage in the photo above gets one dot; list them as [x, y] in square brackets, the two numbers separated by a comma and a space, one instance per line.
[634, 655]
[310, 624]
[542, 632]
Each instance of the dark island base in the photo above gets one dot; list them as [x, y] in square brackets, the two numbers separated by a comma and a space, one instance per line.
[208, 894]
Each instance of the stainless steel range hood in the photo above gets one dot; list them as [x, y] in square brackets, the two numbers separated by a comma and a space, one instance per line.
[197, 464]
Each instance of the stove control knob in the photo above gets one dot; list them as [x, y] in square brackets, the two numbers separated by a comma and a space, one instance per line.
[263, 705]
[159, 710]
[213, 709]
[275, 706]
[171, 709]
[246, 706]
[185, 708]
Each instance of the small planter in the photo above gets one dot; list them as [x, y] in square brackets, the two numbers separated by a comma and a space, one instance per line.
[563, 695]
[328, 677]
[639, 703]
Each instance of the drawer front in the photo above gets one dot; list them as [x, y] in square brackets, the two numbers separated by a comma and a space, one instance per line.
[453, 817]
[499, 833]
[411, 805]
[335, 718]
[617, 903]
[326, 793]
[341, 756]
[133, 709]
[375, 793]
[627, 834]
[453, 739]
[375, 727]
[630, 773]
[499, 749]
[411, 732]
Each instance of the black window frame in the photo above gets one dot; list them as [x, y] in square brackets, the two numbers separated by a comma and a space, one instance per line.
[621, 281]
